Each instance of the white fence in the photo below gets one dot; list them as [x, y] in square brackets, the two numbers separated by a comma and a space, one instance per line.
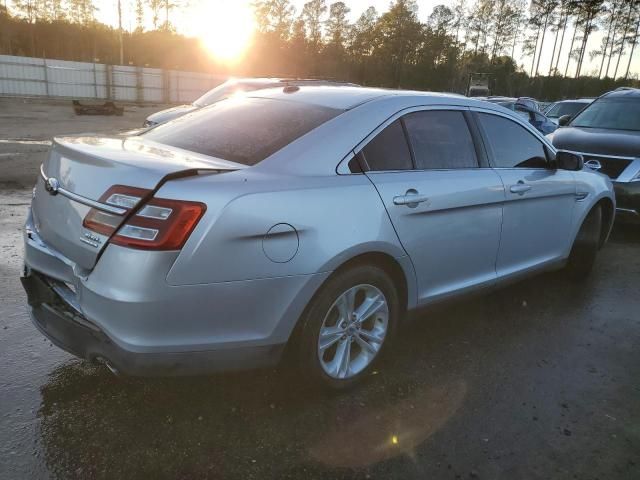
[28, 76]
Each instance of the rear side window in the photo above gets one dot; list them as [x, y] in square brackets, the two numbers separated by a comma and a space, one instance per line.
[242, 130]
[511, 144]
[440, 140]
[389, 149]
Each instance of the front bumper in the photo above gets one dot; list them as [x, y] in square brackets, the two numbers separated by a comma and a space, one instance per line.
[627, 201]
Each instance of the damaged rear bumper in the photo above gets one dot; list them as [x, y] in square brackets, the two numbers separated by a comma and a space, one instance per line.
[65, 327]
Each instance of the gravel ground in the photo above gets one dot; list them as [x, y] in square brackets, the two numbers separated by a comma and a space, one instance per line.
[536, 381]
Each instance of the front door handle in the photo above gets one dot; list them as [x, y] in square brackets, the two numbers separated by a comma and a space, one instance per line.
[410, 199]
[520, 188]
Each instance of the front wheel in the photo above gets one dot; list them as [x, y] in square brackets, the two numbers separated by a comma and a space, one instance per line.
[347, 325]
[586, 245]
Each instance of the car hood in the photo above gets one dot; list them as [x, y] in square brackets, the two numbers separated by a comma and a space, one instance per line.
[171, 113]
[598, 141]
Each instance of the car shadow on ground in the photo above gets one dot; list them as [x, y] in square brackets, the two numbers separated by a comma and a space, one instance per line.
[440, 376]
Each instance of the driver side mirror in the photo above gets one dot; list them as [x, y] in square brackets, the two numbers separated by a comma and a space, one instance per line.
[564, 120]
[569, 161]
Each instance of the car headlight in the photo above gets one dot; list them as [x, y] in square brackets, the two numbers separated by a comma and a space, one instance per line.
[149, 123]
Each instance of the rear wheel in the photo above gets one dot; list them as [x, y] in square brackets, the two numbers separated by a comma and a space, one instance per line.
[585, 247]
[348, 324]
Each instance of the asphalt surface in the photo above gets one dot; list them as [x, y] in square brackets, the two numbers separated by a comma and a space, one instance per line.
[536, 381]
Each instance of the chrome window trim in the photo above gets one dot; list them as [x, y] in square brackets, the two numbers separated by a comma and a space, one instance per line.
[83, 200]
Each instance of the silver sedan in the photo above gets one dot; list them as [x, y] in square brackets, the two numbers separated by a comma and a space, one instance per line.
[305, 220]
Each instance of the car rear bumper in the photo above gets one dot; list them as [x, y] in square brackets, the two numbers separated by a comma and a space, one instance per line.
[71, 331]
[627, 201]
[125, 313]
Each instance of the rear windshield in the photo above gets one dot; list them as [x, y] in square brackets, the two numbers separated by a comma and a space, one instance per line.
[614, 114]
[242, 130]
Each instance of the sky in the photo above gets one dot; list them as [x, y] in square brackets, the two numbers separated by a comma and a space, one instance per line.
[202, 19]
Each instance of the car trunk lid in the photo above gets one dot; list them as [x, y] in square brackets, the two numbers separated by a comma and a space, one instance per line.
[78, 172]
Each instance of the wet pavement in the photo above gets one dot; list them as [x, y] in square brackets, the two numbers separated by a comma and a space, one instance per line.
[540, 380]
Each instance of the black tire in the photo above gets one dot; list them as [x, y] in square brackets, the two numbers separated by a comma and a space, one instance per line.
[309, 366]
[586, 245]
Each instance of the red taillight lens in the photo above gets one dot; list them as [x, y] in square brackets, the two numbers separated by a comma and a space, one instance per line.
[118, 196]
[161, 224]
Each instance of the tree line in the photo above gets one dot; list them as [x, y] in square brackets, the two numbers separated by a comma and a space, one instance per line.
[390, 49]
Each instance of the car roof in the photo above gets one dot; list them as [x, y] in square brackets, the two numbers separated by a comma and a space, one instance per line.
[346, 97]
[266, 81]
[623, 92]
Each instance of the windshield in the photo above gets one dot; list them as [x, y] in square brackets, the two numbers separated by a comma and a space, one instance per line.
[242, 130]
[225, 90]
[613, 113]
[565, 108]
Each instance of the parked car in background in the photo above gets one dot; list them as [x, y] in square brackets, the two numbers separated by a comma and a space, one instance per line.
[528, 109]
[565, 107]
[231, 87]
[607, 134]
[310, 219]
[510, 102]
[544, 106]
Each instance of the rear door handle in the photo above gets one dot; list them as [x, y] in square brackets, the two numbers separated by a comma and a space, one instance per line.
[521, 188]
[410, 199]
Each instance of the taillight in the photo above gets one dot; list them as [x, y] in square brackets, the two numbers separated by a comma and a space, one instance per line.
[161, 224]
[118, 196]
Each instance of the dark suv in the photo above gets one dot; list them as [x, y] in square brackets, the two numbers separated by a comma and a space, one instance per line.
[607, 134]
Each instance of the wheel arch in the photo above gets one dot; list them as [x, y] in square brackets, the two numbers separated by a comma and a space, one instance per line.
[607, 206]
[608, 215]
[387, 263]
[400, 269]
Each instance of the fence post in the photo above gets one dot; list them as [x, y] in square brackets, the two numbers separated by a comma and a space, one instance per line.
[109, 73]
[139, 85]
[46, 77]
[95, 80]
[166, 86]
[177, 86]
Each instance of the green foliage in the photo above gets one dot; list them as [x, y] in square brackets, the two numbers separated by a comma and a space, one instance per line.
[393, 49]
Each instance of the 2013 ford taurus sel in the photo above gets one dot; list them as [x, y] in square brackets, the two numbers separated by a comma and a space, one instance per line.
[310, 218]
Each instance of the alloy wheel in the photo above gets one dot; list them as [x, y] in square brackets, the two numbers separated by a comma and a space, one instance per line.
[353, 331]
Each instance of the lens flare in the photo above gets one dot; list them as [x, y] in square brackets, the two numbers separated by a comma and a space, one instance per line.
[225, 28]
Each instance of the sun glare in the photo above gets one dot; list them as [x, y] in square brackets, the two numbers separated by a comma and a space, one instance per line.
[226, 28]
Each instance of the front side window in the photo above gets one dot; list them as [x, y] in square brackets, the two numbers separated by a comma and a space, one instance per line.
[610, 113]
[389, 149]
[440, 140]
[512, 145]
[242, 130]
